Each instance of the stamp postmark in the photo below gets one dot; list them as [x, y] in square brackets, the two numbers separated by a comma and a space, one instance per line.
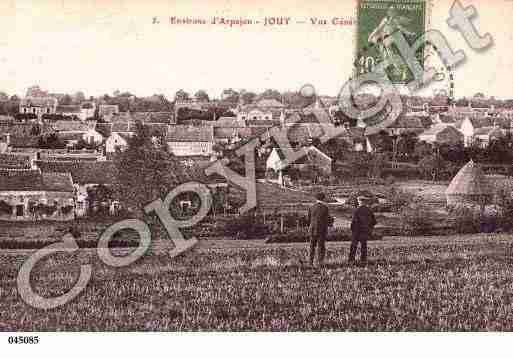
[379, 19]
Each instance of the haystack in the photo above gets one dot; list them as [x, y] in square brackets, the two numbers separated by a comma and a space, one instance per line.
[469, 187]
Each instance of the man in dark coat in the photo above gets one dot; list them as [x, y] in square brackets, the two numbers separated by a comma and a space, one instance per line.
[319, 219]
[361, 227]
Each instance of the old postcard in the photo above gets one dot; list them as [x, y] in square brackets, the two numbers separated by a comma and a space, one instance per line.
[238, 166]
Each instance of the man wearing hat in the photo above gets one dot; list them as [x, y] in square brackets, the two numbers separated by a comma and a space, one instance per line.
[319, 218]
[361, 227]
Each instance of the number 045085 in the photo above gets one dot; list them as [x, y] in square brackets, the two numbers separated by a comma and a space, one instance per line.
[23, 340]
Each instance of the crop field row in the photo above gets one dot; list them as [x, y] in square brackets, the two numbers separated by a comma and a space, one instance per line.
[445, 283]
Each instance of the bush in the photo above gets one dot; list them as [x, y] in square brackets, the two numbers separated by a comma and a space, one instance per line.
[67, 209]
[506, 219]
[352, 200]
[244, 227]
[466, 220]
[399, 199]
[415, 220]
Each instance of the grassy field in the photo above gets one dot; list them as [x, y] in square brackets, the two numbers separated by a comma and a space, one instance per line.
[444, 283]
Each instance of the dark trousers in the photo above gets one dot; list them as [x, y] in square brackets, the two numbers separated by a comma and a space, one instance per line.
[320, 242]
[362, 239]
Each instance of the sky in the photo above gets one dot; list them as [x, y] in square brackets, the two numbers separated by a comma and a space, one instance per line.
[98, 46]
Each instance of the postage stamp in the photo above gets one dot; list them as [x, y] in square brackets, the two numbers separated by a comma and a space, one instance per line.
[379, 19]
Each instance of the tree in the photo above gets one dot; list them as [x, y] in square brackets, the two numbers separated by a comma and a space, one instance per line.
[230, 95]
[248, 97]
[79, 97]
[66, 100]
[422, 149]
[384, 142]
[271, 94]
[146, 171]
[406, 145]
[51, 141]
[181, 95]
[201, 95]
[98, 195]
[432, 167]
[359, 163]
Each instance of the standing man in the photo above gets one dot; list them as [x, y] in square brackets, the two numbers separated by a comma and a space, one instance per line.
[361, 227]
[319, 218]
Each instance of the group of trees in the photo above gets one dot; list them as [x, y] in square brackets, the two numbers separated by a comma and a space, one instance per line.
[291, 98]
[129, 102]
[210, 113]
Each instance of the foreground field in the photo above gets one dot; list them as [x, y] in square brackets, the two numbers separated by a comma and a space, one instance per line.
[446, 283]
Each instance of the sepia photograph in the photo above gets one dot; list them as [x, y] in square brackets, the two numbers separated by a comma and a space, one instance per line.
[228, 166]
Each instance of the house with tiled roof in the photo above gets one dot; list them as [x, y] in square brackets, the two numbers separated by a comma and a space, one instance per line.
[405, 124]
[154, 117]
[128, 127]
[104, 128]
[70, 110]
[470, 125]
[190, 140]
[81, 112]
[23, 134]
[17, 160]
[71, 132]
[68, 155]
[229, 122]
[233, 136]
[306, 133]
[108, 111]
[484, 135]
[85, 175]
[38, 106]
[27, 195]
[157, 130]
[6, 119]
[117, 141]
[441, 134]
[277, 163]
[263, 123]
[269, 104]
[253, 113]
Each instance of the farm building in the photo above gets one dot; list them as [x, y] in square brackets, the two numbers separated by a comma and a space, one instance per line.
[469, 187]
[190, 140]
[277, 161]
[85, 176]
[27, 195]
